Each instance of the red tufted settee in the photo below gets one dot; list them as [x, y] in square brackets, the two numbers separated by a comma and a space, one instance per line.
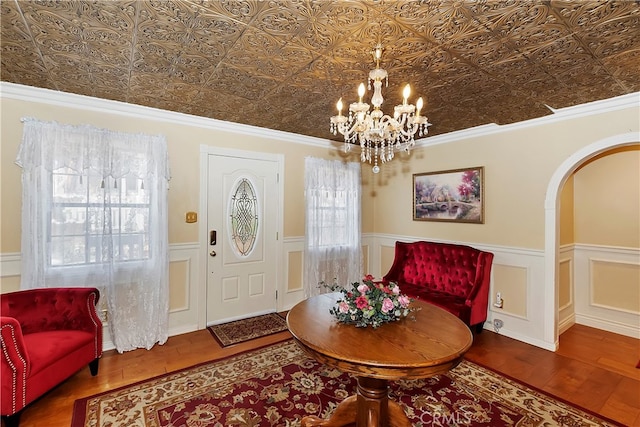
[46, 335]
[453, 277]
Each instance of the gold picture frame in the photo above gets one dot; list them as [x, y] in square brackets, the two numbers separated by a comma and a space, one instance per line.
[455, 195]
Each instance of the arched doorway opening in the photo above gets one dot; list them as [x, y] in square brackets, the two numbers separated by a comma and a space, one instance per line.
[552, 204]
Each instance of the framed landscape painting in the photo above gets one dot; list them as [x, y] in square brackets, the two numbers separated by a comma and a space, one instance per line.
[455, 195]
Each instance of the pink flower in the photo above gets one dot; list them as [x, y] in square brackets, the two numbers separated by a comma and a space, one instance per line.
[387, 305]
[396, 290]
[362, 302]
[404, 301]
[343, 307]
[363, 288]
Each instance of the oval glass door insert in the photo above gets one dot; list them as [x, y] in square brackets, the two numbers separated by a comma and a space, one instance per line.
[243, 217]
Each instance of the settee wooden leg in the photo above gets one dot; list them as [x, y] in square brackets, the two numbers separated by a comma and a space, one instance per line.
[479, 327]
[12, 420]
[93, 367]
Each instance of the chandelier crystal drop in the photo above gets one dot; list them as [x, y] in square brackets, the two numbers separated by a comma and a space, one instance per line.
[379, 134]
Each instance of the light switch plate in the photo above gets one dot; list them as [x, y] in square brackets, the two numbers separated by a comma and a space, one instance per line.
[192, 217]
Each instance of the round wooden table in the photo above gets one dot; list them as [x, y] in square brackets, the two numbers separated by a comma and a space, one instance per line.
[430, 341]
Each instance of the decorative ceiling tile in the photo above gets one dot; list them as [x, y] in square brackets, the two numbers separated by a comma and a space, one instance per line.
[283, 64]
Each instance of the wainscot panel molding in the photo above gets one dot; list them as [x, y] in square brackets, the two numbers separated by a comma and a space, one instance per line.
[528, 328]
[292, 292]
[185, 319]
[566, 311]
[10, 264]
[609, 317]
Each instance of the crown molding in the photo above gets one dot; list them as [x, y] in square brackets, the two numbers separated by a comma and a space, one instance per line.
[631, 100]
[107, 106]
[64, 99]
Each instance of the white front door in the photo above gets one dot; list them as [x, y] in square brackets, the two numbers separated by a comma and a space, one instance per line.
[242, 223]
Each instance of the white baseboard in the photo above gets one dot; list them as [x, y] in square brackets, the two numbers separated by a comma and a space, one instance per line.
[608, 325]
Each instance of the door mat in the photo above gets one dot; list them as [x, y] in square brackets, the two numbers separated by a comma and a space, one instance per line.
[247, 329]
[278, 385]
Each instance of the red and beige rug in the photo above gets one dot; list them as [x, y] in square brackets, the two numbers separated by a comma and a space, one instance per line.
[278, 385]
[247, 329]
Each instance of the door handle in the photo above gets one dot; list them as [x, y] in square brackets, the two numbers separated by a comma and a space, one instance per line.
[213, 253]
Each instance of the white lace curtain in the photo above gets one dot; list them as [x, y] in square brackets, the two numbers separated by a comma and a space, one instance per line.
[94, 213]
[333, 249]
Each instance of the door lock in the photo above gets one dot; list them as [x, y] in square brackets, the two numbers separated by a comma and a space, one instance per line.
[213, 253]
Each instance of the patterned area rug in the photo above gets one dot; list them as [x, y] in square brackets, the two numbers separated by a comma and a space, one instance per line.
[247, 329]
[277, 385]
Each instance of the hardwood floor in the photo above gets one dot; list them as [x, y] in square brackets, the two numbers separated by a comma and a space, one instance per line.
[593, 369]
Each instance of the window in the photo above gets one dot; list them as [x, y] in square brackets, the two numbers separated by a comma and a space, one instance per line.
[331, 223]
[77, 218]
[243, 218]
[333, 248]
[95, 214]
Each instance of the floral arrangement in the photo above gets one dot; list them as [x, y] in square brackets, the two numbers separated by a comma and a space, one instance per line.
[370, 304]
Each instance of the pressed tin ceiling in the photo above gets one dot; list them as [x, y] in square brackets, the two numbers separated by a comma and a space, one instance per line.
[284, 64]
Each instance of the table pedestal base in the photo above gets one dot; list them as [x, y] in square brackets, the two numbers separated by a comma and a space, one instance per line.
[369, 407]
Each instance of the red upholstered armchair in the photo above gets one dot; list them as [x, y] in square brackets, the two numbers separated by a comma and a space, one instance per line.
[46, 336]
[454, 277]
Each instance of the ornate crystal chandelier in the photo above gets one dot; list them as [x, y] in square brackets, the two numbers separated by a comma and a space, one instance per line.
[379, 134]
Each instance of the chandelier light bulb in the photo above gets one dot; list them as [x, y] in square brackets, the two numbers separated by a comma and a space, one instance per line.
[418, 106]
[339, 106]
[406, 92]
[361, 91]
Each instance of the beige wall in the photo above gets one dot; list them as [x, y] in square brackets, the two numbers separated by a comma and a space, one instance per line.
[607, 199]
[518, 164]
[566, 213]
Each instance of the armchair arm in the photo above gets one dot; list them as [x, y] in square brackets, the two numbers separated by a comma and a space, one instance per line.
[395, 272]
[478, 298]
[46, 309]
[14, 366]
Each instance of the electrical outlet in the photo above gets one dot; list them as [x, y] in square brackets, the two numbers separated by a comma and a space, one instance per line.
[499, 301]
[497, 324]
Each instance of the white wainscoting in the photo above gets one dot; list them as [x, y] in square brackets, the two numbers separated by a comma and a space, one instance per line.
[527, 328]
[291, 291]
[182, 319]
[566, 311]
[10, 265]
[589, 313]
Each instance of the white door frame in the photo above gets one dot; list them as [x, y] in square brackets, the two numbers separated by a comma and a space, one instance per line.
[552, 226]
[203, 232]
